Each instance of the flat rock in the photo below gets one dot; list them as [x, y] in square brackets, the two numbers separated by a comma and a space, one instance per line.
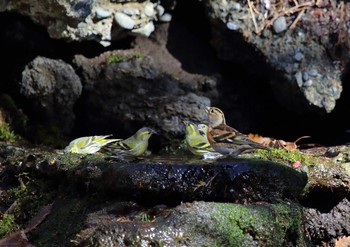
[173, 180]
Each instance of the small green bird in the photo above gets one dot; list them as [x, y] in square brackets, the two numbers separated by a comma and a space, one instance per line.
[88, 144]
[135, 145]
[197, 141]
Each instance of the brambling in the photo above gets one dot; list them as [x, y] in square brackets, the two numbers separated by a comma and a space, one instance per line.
[88, 144]
[225, 139]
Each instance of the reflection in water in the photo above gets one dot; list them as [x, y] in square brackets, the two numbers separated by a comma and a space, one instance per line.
[170, 159]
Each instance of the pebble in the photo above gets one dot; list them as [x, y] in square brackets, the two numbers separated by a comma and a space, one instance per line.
[160, 10]
[308, 83]
[105, 43]
[146, 30]
[301, 36]
[101, 13]
[267, 4]
[232, 25]
[124, 20]
[266, 33]
[236, 6]
[165, 18]
[149, 9]
[305, 76]
[313, 72]
[299, 78]
[131, 11]
[298, 56]
[280, 24]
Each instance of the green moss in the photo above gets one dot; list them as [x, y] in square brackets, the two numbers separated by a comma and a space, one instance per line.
[281, 155]
[7, 224]
[122, 58]
[241, 225]
[145, 217]
[28, 197]
[15, 118]
[70, 161]
[6, 134]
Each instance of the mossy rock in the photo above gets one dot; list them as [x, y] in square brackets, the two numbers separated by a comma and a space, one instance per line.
[195, 224]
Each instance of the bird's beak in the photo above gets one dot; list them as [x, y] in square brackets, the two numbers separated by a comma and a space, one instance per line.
[207, 109]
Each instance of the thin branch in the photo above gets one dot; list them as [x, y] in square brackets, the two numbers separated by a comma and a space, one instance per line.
[253, 16]
[297, 19]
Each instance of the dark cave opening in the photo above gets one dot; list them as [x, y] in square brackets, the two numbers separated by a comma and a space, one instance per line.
[322, 199]
[245, 94]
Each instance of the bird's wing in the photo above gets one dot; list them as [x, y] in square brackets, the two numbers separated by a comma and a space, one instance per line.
[227, 134]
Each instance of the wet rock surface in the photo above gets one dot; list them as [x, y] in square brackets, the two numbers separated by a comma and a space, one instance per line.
[234, 181]
[176, 200]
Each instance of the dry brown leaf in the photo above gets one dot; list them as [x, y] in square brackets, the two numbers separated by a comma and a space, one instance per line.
[342, 242]
[38, 218]
[272, 142]
[19, 238]
[123, 219]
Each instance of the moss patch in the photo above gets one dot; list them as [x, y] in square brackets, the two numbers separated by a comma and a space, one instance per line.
[6, 134]
[283, 156]
[7, 224]
[241, 225]
[122, 58]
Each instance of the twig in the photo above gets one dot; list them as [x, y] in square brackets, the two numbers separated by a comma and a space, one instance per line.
[341, 9]
[253, 16]
[298, 8]
[297, 19]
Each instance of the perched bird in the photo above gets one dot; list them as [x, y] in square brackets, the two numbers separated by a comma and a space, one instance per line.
[88, 144]
[225, 139]
[135, 145]
[196, 139]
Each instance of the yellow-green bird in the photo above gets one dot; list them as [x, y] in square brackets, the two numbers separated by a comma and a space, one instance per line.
[88, 144]
[135, 145]
[196, 139]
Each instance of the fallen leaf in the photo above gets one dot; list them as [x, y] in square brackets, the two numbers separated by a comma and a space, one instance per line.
[19, 238]
[342, 242]
[272, 142]
[38, 218]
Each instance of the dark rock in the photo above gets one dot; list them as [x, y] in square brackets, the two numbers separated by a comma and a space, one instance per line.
[124, 96]
[172, 180]
[327, 226]
[318, 95]
[194, 224]
[52, 88]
